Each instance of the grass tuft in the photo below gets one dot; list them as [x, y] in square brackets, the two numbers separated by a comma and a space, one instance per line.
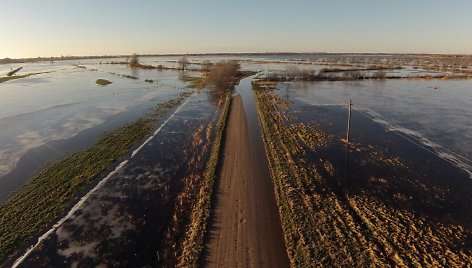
[103, 82]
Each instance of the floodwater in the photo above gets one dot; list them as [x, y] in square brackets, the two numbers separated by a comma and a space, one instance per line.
[39, 111]
[382, 167]
[48, 116]
[245, 90]
[436, 114]
[125, 219]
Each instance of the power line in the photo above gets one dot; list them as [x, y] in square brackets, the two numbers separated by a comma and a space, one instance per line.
[460, 160]
[394, 124]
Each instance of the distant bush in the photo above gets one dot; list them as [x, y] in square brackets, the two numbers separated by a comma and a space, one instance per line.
[379, 75]
[206, 66]
[103, 82]
[299, 74]
[134, 62]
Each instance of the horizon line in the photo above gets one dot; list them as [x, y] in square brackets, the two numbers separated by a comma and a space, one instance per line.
[239, 53]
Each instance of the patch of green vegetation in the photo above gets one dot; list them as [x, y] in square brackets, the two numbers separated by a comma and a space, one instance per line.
[8, 78]
[195, 82]
[103, 82]
[48, 195]
[12, 72]
[221, 76]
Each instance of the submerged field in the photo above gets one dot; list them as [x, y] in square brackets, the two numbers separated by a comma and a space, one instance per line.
[46, 117]
[146, 188]
[392, 203]
[140, 214]
[135, 167]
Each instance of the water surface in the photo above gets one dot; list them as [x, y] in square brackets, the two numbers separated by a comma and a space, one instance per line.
[435, 113]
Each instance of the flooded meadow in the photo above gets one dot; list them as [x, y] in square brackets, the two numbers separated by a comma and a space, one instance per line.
[400, 186]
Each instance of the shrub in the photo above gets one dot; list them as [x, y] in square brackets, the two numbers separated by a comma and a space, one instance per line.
[103, 82]
[134, 62]
[223, 74]
[206, 65]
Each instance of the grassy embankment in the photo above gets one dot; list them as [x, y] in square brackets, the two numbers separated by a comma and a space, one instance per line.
[197, 158]
[48, 195]
[193, 242]
[222, 77]
[324, 225]
[196, 82]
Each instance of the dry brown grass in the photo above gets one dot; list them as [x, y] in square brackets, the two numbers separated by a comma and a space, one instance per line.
[327, 226]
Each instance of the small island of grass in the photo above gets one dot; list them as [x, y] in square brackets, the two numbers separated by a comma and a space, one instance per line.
[103, 82]
[13, 77]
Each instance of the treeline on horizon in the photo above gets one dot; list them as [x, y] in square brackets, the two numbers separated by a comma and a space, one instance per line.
[60, 58]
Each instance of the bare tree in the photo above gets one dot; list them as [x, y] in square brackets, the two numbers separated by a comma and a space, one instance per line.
[183, 62]
[206, 65]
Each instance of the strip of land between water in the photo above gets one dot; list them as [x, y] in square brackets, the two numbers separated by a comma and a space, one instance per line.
[245, 228]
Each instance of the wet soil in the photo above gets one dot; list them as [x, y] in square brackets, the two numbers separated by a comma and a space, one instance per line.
[245, 229]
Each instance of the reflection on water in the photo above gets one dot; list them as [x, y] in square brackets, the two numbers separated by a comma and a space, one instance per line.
[65, 102]
[38, 110]
[125, 220]
[435, 110]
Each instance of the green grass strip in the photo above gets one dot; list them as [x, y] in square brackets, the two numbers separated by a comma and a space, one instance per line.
[8, 78]
[46, 196]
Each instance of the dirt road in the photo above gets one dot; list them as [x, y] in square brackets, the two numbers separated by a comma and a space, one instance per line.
[245, 227]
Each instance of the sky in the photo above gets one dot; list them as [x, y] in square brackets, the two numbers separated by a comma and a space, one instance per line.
[32, 28]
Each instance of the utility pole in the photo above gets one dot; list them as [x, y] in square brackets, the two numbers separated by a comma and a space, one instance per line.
[348, 122]
[347, 141]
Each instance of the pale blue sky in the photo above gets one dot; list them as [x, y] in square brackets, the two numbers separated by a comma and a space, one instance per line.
[31, 28]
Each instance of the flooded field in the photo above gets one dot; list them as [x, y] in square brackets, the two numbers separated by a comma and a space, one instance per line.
[48, 116]
[408, 165]
[432, 113]
[129, 219]
[384, 200]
